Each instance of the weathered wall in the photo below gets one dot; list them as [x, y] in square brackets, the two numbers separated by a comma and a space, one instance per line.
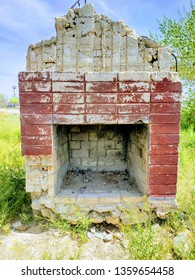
[138, 156]
[48, 99]
[98, 72]
[86, 41]
[98, 147]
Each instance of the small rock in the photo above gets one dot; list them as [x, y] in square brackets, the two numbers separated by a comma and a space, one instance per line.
[16, 224]
[162, 213]
[118, 235]
[108, 237]
[182, 243]
[125, 244]
[112, 220]
[156, 227]
[99, 235]
[90, 235]
[92, 229]
[19, 226]
[56, 234]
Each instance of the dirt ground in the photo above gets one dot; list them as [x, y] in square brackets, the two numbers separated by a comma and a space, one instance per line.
[37, 244]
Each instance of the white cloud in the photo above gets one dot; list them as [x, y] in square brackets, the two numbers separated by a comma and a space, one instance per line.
[26, 18]
[22, 22]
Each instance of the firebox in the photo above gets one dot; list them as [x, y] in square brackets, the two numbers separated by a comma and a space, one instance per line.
[102, 158]
[100, 112]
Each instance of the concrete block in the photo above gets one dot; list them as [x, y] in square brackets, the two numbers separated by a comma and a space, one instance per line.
[97, 153]
[89, 162]
[75, 145]
[80, 153]
[82, 136]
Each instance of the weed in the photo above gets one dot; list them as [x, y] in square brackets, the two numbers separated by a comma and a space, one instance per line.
[13, 197]
[154, 238]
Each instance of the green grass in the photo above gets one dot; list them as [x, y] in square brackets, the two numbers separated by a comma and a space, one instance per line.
[150, 240]
[13, 198]
[154, 238]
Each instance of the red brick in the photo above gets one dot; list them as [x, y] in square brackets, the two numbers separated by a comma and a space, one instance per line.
[35, 86]
[162, 179]
[101, 87]
[35, 119]
[36, 130]
[162, 190]
[101, 119]
[69, 109]
[67, 77]
[165, 97]
[64, 98]
[166, 86]
[172, 108]
[36, 140]
[68, 119]
[164, 149]
[134, 97]
[36, 150]
[165, 128]
[163, 159]
[133, 108]
[134, 87]
[33, 98]
[36, 109]
[68, 87]
[103, 98]
[163, 169]
[133, 118]
[34, 76]
[164, 118]
[101, 109]
[164, 139]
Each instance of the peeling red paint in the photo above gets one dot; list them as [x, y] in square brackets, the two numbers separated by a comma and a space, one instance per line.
[68, 98]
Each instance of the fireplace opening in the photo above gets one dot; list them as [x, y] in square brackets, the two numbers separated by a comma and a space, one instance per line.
[95, 159]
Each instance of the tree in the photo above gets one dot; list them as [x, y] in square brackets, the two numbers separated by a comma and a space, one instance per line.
[180, 37]
[14, 101]
[188, 110]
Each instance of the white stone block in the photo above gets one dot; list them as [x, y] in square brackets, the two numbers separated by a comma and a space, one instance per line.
[101, 76]
[159, 76]
[164, 59]
[87, 10]
[85, 61]
[134, 76]
[132, 53]
[85, 26]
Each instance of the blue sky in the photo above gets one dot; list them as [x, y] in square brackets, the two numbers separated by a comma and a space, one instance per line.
[23, 22]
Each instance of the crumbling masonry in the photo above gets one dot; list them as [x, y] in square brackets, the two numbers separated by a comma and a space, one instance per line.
[100, 112]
